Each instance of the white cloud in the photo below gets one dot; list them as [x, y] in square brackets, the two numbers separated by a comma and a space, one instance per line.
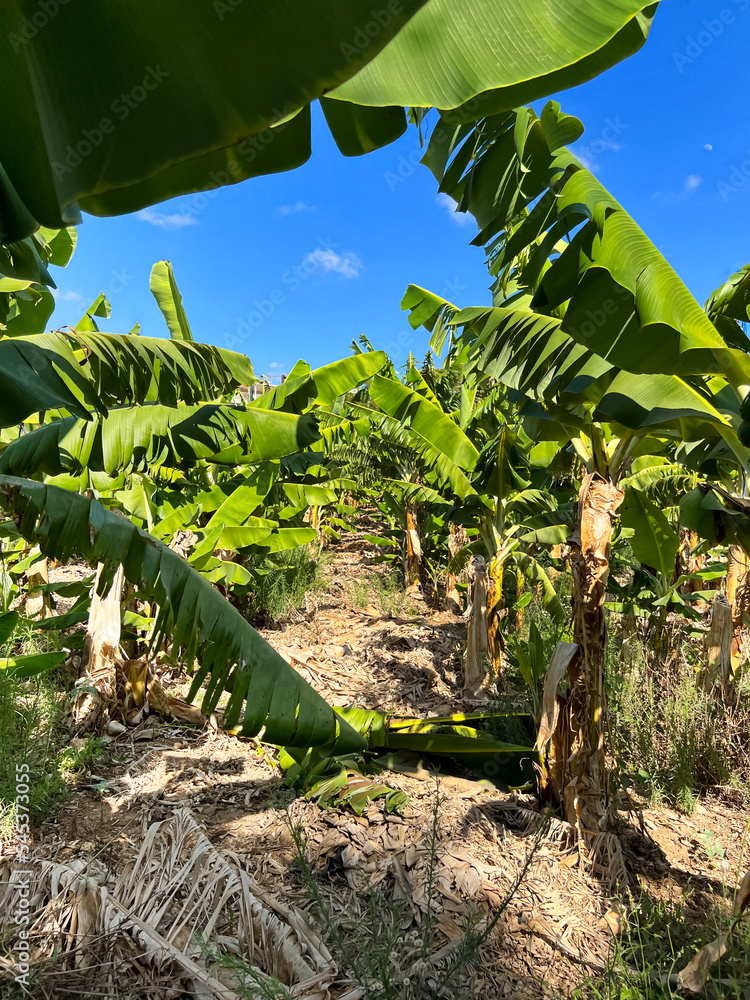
[588, 161]
[589, 153]
[690, 185]
[177, 221]
[349, 265]
[275, 364]
[460, 218]
[298, 206]
[67, 296]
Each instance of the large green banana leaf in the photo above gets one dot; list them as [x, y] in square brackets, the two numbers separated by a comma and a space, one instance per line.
[175, 99]
[498, 54]
[552, 230]
[26, 303]
[540, 357]
[655, 541]
[464, 737]
[169, 99]
[425, 419]
[201, 623]
[92, 371]
[133, 439]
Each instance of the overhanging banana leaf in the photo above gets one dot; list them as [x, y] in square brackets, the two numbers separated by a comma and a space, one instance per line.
[497, 54]
[230, 653]
[181, 100]
[538, 356]
[151, 436]
[169, 100]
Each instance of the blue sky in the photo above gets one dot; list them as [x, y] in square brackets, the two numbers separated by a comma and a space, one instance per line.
[326, 252]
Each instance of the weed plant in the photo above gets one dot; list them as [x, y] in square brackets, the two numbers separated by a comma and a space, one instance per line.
[659, 941]
[384, 591]
[281, 583]
[670, 738]
[33, 731]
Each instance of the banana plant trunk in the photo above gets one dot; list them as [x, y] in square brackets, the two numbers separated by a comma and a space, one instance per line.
[494, 614]
[585, 794]
[477, 639]
[413, 558]
[716, 675]
[456, 541]
[101, 652]
[738, 596]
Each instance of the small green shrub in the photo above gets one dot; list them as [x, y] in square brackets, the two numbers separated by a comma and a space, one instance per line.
[383, 590]
[358, 592]
[390, 593]
[669, 737]
[281, 582]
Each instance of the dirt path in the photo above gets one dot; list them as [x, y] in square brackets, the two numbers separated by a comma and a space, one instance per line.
[558, 925]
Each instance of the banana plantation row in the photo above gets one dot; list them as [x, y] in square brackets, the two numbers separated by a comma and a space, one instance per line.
[593, 417]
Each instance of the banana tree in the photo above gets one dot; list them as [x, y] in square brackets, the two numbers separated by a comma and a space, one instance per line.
[177, 426]
[139, 123]
[229, 653]
[610, 350]
[481, 490]
[26, 304]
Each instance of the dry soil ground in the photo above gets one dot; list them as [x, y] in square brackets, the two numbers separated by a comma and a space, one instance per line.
[559, 926]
